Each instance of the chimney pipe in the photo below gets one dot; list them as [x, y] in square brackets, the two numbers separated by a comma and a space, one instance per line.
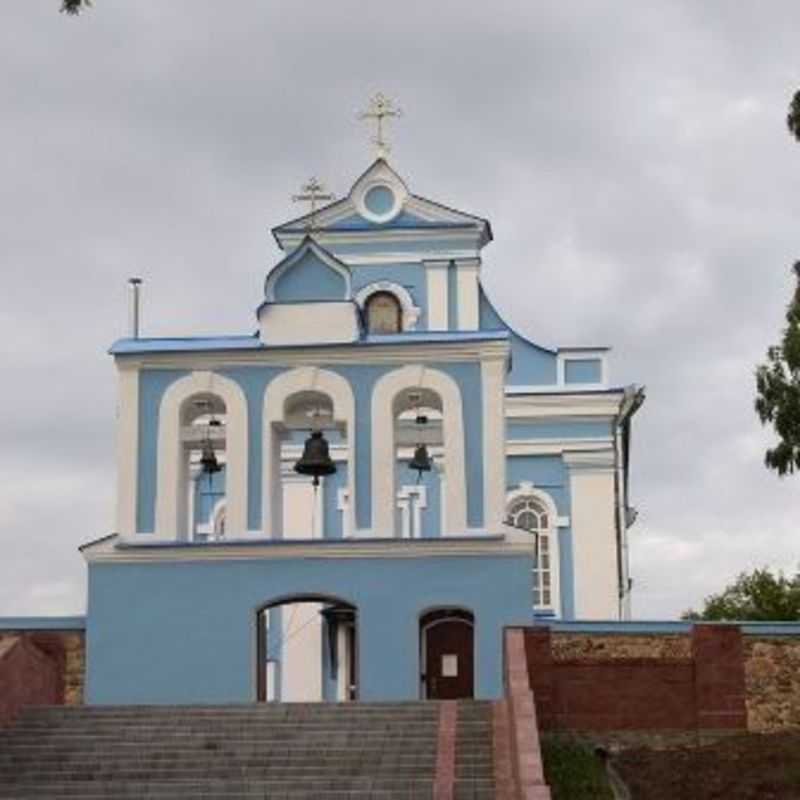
[133, 315]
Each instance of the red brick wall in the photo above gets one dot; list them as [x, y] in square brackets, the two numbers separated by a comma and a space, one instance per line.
[27, 677]
[705, 692]
[66, 648]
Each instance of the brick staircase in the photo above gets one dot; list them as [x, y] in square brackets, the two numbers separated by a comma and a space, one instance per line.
[291, 751]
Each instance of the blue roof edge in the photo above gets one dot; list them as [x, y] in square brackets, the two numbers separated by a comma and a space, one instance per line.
[42, 623]
[281, 543]
[128, 346]
[749, 628]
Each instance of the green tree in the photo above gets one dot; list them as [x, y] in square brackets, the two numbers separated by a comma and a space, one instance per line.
[759, 595]
[75, 6]
[793, 117]
[778, 391]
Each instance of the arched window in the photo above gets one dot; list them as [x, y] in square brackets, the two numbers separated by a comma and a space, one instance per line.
[384, 314]
[529, 514]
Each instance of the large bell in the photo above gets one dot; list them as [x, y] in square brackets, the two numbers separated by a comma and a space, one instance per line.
[316, 459]
[208, 459]
[421, 461]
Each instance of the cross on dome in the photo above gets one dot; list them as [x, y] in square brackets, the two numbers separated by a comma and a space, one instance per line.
[380, 107]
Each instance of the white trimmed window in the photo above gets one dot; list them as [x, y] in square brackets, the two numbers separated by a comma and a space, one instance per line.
[383, 313]
[528, 513]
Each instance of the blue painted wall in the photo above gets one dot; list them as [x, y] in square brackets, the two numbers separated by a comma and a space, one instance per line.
[184, 632]
[583, 370]
[310, 279]
[580, 429]
[531, 365]
[411, 276]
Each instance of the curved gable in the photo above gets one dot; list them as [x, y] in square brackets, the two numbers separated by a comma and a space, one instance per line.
[310, 273]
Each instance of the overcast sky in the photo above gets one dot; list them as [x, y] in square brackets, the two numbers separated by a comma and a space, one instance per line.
[632, 158]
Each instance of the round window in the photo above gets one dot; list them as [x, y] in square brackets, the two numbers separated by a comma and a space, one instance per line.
[379, 200]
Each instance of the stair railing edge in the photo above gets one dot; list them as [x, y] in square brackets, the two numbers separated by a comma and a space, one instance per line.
[526, 752]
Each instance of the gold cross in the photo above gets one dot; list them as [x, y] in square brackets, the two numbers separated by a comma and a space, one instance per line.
[311, 192]
[380, 108]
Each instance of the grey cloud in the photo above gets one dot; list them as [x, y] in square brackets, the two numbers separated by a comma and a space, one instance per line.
[631, 157]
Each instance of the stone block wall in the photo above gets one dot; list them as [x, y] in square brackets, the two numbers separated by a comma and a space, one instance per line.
[675, 683]
[630, 686]
[772, 677]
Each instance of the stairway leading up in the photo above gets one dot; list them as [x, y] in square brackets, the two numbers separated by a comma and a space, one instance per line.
[265, 752]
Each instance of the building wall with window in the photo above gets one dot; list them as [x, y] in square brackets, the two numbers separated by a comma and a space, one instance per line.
[384, 416]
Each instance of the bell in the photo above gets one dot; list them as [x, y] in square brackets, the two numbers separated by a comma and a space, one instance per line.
[208, 459]
[316, 459]
[421, 461]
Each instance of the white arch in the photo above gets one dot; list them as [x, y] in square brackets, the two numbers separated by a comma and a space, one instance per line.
[383, 446]
[171, 510]
[278, 391]
[410, 311]
[526, 490]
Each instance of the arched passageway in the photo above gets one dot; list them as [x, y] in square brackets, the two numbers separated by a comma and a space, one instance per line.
[306, 650]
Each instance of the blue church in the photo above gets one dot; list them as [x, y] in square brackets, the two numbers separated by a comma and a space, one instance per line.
[353, 501]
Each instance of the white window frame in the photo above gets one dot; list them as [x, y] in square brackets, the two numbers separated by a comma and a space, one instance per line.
[581, 355]
[527, 490]
[409, 313]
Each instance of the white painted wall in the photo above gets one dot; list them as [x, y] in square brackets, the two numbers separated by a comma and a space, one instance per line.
[593, 535]
[467, 288]
[301, 655]
[309, 323]
[437, 294]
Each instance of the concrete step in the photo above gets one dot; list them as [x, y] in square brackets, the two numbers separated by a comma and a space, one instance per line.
[128, 788]
[280, 752]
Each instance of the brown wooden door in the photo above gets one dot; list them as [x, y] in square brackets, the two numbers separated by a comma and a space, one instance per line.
[449, 664]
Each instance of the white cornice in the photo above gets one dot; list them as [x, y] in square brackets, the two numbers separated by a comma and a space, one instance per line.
[406, 257]
[587, 460]
[539, 447]
[562, 405]
[131, 551]
[400, 353]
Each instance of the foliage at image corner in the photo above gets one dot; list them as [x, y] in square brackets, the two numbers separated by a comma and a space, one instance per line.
[758, 596]
[778, 391]
[74, 7]
[793, 117]
[778, 379]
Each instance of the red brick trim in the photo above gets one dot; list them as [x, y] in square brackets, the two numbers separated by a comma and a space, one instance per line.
[444, 781]
[501, 748]
[526, 754]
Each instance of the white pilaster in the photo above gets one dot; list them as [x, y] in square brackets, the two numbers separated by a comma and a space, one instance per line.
[467, 271]
[438, 295]
[594, 546]
[494, 436]
[127, 448]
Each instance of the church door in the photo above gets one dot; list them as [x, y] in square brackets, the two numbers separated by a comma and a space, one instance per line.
[448, 655]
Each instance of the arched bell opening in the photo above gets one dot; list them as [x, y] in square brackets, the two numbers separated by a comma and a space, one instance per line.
[447, 653]
[420, 463]
[203, 426]
[313, 456]
[307, 649]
